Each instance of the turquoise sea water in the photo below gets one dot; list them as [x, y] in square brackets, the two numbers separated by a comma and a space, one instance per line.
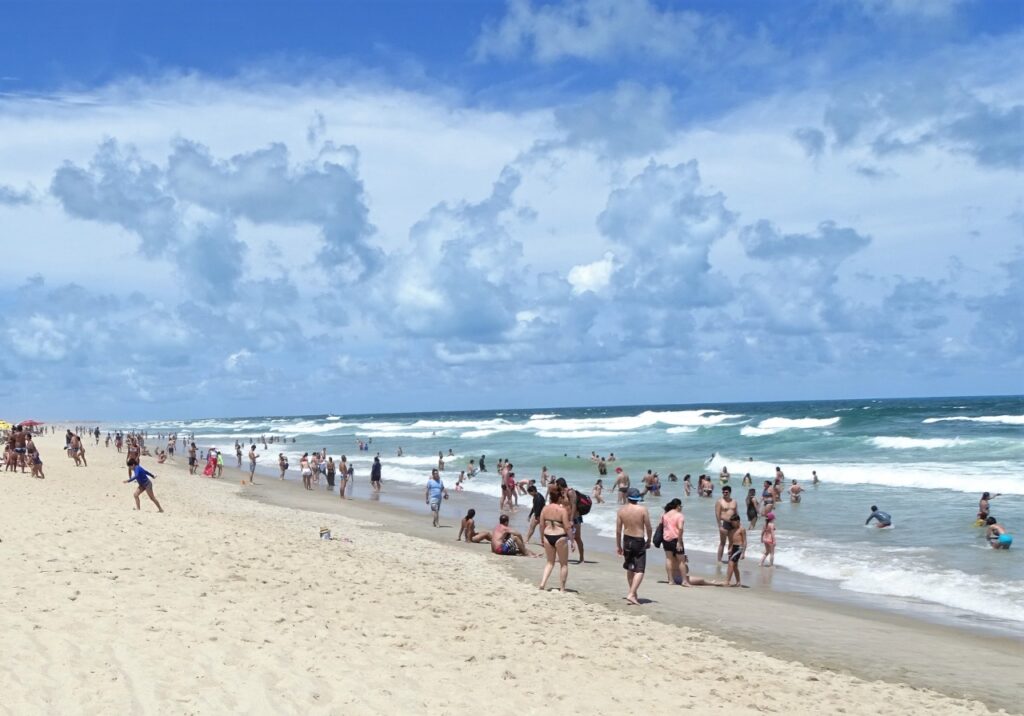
[926, 461]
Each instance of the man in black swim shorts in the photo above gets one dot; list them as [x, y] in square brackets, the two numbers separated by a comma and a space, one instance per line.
[633, 535]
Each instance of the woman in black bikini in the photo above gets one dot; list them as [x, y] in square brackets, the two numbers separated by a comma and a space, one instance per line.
[554, 535]
[752, 508]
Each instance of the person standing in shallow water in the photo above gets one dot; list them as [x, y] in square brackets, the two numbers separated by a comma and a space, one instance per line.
[725, 508]
[375, 474]
[737, 549]
[633, 535]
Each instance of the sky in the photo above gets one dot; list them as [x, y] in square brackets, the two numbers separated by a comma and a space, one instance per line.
[270, 208]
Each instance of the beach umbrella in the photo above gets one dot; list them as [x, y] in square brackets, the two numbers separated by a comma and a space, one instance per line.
[30, 423]
[4, 425]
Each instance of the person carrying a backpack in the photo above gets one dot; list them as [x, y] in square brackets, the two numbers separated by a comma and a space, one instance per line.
[579, 504]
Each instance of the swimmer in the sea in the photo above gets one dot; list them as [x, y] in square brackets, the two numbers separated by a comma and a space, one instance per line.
[983, 506]
[794, 492]
[884, 518]
[997, 535]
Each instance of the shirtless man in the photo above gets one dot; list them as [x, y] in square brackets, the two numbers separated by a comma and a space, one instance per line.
[725, 508]
[20, 451]
[737, 550]
[652, 484]
[621, 484]
[632, 540]
[192, 461]
[794, 492]
[506, 541]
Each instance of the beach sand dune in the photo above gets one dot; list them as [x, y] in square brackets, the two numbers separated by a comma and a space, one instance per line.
[229, 605]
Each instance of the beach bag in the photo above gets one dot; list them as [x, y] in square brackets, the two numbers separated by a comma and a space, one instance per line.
[583, 504]
[659, 535]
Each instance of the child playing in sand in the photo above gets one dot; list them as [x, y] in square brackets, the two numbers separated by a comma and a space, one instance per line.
[768, 539]
[596, 492]
[143, 478]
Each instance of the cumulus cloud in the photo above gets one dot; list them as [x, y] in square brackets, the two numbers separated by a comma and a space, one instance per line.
[265, 188]
[799, 294]
[913, 111]
[463, 271]
[663, 224]
[593, 277]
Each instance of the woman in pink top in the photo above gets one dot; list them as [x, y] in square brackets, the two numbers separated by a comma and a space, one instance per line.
[672, 540]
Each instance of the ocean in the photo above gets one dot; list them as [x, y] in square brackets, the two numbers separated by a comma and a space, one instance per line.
[924, 460]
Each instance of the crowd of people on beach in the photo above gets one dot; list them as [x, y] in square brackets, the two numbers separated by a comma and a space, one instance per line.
[556, 513]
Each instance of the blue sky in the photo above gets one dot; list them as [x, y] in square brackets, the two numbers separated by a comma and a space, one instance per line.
[226, 208]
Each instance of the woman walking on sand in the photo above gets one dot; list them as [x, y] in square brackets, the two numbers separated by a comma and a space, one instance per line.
[555, 526]
[143, 479]
[672, 541]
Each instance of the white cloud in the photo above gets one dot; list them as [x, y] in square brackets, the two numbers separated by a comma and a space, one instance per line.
[38, 338]
[592, 277]
[237, 360]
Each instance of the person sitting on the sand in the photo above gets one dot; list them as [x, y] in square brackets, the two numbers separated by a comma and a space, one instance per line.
[506, 541]
[468, 529]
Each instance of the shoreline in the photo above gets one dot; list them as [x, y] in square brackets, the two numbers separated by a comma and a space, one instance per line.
[813, 631]
[229, 601]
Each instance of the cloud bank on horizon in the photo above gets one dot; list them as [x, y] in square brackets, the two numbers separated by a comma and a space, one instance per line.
[564, 203]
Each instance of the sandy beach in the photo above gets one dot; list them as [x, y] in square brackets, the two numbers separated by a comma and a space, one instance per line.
[230, 602]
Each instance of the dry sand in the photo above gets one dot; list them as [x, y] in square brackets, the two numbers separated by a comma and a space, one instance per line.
[227, 604]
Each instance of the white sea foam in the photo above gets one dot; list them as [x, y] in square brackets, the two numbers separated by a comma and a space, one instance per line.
[1002, 419]
[579, 434]
[868, 572]
[333, 417]
[901, 443]
[543, 416]
[646, 419]
[770, 426]
[996, 476]
[682, 429]
[450, 424]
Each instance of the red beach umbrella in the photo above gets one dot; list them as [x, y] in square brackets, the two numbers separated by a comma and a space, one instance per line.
[30, 423]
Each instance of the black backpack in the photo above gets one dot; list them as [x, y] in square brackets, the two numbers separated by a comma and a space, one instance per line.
[583, 503]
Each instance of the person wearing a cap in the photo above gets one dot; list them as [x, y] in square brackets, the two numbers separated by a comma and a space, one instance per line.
[633, 535]
[622, 484]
